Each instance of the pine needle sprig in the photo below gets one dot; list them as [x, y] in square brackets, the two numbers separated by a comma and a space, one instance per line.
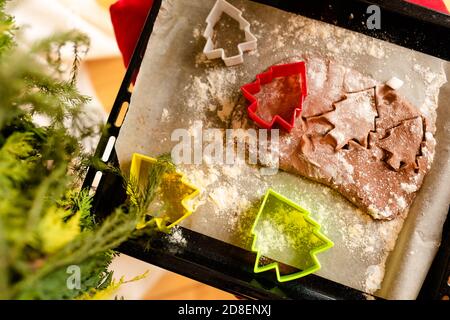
[53, 46]
[7, 28]
[46, 223]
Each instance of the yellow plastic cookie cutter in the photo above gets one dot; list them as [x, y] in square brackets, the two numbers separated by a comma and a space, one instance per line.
[176, 192]
[283, 226]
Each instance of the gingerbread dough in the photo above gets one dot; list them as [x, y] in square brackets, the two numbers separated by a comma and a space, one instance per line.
[355, 135]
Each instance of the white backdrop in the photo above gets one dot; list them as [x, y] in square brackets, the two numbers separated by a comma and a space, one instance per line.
[40, 18]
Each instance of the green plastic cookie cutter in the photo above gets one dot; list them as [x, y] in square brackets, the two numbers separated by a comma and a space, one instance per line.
[284, 229]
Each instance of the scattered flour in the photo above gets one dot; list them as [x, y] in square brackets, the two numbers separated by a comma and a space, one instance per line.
[428, 75]
[233, 171]
[349, 170]
[212, 91]
[274, 237]
[176, 237]
[223, 194]
[201, 60]
[337, 40]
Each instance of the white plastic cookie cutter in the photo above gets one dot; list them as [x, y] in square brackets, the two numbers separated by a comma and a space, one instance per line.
[210, 51]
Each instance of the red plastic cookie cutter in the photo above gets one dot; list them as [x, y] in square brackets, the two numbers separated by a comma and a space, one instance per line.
[278, 71]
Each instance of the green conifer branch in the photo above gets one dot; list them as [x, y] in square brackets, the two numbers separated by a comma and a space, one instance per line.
[38, 176]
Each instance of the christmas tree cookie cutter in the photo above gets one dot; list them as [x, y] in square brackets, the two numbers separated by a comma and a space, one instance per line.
[284, 227]
[177, 193]
[211, 52]
[278, 71]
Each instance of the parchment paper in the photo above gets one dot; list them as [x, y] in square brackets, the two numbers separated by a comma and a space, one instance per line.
[177, 87]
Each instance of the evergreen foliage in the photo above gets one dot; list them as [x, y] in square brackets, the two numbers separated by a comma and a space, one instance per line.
[46, 222]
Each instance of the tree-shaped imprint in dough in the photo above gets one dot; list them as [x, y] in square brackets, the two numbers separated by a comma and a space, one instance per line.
[388, 152]
[403, 143]
[353, 118]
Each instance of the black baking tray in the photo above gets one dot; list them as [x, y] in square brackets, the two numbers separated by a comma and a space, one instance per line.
[228, 267]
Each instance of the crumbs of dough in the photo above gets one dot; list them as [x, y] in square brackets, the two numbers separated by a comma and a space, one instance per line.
[409, 187]
[176, 237]
[165, 117]
[379, 214]
[196, 33]
[374, 277]
[429, 136]
[401, 202]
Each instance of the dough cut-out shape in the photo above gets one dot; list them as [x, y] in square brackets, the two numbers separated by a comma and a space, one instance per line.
[353, 118]
[392, 108]
[403, 143]
[211, 51]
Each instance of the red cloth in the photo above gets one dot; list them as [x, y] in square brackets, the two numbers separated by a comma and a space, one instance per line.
[128, 18]
[437, 5]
